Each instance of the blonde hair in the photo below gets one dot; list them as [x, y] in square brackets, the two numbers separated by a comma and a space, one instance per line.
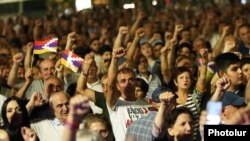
[87, 135]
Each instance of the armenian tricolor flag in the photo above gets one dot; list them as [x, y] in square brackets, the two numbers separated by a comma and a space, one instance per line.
[44, 46]
[71, 60]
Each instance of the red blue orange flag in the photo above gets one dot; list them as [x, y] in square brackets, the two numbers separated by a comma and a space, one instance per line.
[71, 60]
[44, 46]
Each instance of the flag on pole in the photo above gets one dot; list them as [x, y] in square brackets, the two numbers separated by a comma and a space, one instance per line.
[71, 60]
[44, 46]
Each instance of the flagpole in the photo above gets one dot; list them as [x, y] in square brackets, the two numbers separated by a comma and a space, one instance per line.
[32, 60]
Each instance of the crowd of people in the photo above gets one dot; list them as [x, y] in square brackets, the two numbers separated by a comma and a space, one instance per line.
[146, 76]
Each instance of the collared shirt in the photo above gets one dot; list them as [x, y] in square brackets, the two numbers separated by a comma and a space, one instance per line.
[153, 83]
[56, 122]
[96, 86]
[243, 49]
[48, 129]
[193, 103]
[141, 129]
[35, 86]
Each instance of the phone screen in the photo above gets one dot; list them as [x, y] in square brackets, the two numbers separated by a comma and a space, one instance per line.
[213, 112]
[243, 2]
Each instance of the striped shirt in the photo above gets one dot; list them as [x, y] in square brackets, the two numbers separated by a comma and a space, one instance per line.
[193, 103]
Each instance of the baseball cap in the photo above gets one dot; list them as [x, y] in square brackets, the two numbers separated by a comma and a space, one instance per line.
[157, 42]
[156, 93]
[231, 98]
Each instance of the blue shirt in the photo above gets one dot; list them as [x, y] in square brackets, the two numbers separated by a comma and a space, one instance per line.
[243, 49]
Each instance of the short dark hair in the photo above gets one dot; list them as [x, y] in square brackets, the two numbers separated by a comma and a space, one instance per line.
[183, 45]
[105, 48]
[180, 70]
[125, 70]
[82, 51]
[223, 61]
[243, 25]
[244, 61]
[142, 84]
[138, 59]
[94, 39]
[173, 115]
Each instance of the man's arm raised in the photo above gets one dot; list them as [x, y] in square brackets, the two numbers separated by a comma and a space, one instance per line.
[112, 72]
[81, 87]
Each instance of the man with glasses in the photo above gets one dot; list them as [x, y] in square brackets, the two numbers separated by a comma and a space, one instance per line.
[52, 85]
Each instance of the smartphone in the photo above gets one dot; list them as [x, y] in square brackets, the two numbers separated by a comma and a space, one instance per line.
[214, 109]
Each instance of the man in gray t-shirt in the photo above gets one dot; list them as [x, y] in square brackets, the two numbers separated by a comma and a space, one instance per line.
[47, 69]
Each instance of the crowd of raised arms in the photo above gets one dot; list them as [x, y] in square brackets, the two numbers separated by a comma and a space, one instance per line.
[146, 75]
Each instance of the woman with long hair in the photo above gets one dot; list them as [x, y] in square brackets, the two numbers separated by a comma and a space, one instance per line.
[15, 116]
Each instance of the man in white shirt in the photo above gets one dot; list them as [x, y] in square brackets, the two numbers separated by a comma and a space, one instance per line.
[123, 109]
[52, 129]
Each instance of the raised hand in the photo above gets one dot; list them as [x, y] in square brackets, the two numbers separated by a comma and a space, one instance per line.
[79, 107]
[28, 134]
[30, 45]
[173, 42]
[18, 58]
[178, 27]
[230, 45]
[49, 88]
[169, 46]
[71, 39]
[167, 36]
[168, 100]
[88, 61]
[36, 99]
[155, 37]
[123, 30]
[139, 33]
[140, 15]
[223, 84]
[239, 22]
[59, 66]
[225, 30]
[118, 53]
[28, 75]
